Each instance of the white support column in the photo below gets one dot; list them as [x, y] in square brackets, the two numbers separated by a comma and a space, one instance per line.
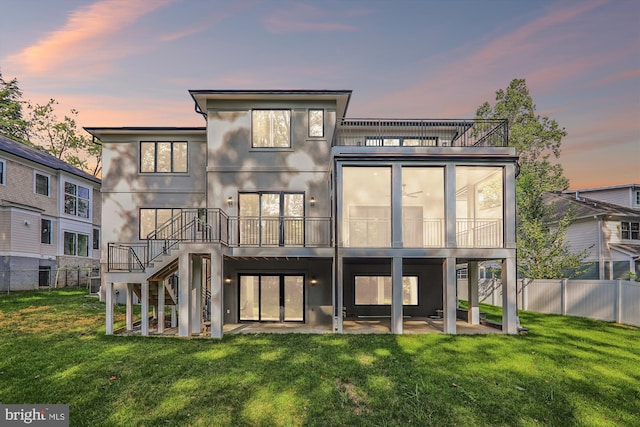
[473, 304]
[450, 206]
[217, 294]
[108, 298]
[338, 324]
[449, 309]
[184, 295]
[396, 295]
[196, 294]
[160, 310]
[509, 307]
[174, 317]
[129, 308]
[396, 206]
[144, 321]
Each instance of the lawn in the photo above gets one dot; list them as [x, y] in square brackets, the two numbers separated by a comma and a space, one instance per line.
[565, 371]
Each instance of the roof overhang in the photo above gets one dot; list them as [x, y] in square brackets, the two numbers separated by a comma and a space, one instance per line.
[100, 132]
[341, 97]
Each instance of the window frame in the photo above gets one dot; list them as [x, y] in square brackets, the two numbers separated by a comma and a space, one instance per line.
[637, 198]
[76, 199]
[35, 183]
[48, 231]
[314, 110]
[631, 229]
[155, 157]
[270, 147]
[406, 276]
[3, 172]
[76, 244]
[174, 212]
[96, 239]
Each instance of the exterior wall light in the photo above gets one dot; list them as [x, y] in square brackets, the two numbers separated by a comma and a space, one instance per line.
[227, 279]
[314, 281]
[229, 201]
[312, 201]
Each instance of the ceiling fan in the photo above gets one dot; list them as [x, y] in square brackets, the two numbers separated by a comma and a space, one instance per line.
[412, 194]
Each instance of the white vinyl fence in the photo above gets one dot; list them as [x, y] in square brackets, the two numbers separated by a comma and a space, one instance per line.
[609, 300]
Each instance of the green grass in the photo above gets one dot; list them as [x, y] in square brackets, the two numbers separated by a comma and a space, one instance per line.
[565, 371]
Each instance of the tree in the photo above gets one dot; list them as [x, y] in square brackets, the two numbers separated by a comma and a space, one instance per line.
[542, 249]
[12, 123]
[63, 139]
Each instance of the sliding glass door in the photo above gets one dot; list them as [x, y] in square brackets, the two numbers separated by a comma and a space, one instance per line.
[271, 298]
[271, 219]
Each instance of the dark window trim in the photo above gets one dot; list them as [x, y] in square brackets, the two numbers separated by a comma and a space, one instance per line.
[77, 243]
[401, 139]
[309, 123]
[155, 157]
[281, 277]
[35, 183]
[385, 275]
[3, 172]
[45, 237]
[96, 239]
[174, 211]
[77, 197]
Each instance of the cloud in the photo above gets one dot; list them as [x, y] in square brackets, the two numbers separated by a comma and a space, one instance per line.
[86, 30]
[302, 18]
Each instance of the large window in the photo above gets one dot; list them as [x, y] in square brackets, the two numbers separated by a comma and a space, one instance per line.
[479, 206]
[2, 172]
[271, 128]
[151, 219]
[630, 230]
[45, 231]
[76, 200]
[163, 157]
[637, 197]
[272, 219]
[366, 195]
[316, 123]
[423, 207]
[41, 184]
[377, 290]
[76, 244]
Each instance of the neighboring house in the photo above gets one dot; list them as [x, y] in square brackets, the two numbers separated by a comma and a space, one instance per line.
[610, 232]
[49, 218]
[627, 195]
[283, 210]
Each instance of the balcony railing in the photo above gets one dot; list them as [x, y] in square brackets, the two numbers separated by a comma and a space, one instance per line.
[421, 133]
[479, 233]
[280, 231]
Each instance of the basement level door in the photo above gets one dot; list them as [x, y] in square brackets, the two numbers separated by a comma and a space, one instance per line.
[271, 298]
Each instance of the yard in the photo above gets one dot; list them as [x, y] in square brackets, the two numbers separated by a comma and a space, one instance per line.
[565, 371]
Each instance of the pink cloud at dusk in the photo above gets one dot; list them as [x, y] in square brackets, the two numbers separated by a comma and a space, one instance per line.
[302, 18]
[85, 31]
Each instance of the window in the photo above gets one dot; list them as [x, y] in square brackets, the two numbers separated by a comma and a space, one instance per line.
[637, 197]
[630, 230]
[96, 238]
[271, 128]
[45, 231]
[42, 184]
[76, 244]
[163, 157]
[76, 200]
[151, 219]
[376, 290]
[316, 123]
[2, 172]
[394, 141]
[271, 219]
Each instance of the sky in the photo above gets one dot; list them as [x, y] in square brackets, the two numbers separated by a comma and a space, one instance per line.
[132, 62]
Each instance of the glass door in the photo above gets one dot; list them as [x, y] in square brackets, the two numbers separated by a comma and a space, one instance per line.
[271, 298]
[271, 219]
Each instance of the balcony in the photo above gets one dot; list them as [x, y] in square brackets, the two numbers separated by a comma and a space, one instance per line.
[421, 133]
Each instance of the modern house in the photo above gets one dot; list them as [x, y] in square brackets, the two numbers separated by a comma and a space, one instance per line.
[50, 217]
[610, 233]
[626, 195]
[280, 209]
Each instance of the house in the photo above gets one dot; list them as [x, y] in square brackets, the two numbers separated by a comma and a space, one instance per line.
[610, 233]
[280, 209]
[627, 195]
[49, 218]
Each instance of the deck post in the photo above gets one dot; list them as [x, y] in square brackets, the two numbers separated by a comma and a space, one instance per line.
[196, 294]
[449, 306]
[338, 296]
[129, 308]
[217, 295]
[509, 307]
[109, 306]
[473, 304]
[160, 309]
[396, 295]
[144, 320]
[174, 317]
[184, 295]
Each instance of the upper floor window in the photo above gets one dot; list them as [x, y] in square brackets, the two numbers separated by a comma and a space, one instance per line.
[630, 230]
[271, 128]
[96, 238]
[163, 157]
[637, 197]
[151, 219]
[316, 123]
[2, 172]
[45, 231]
[76, 200]
[76, 244]
[42, 184]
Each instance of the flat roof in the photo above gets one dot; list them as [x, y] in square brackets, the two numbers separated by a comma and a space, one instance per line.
[97, 131]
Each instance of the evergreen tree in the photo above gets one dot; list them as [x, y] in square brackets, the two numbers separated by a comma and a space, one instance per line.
[12, 124]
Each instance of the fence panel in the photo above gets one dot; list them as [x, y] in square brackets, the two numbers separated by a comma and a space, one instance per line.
[595, 299]
[630, 303]
[543, 296]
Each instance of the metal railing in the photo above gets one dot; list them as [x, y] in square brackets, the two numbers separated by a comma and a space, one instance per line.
[126, 256]
[280, 231]
[479, 233]
[421, 133]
